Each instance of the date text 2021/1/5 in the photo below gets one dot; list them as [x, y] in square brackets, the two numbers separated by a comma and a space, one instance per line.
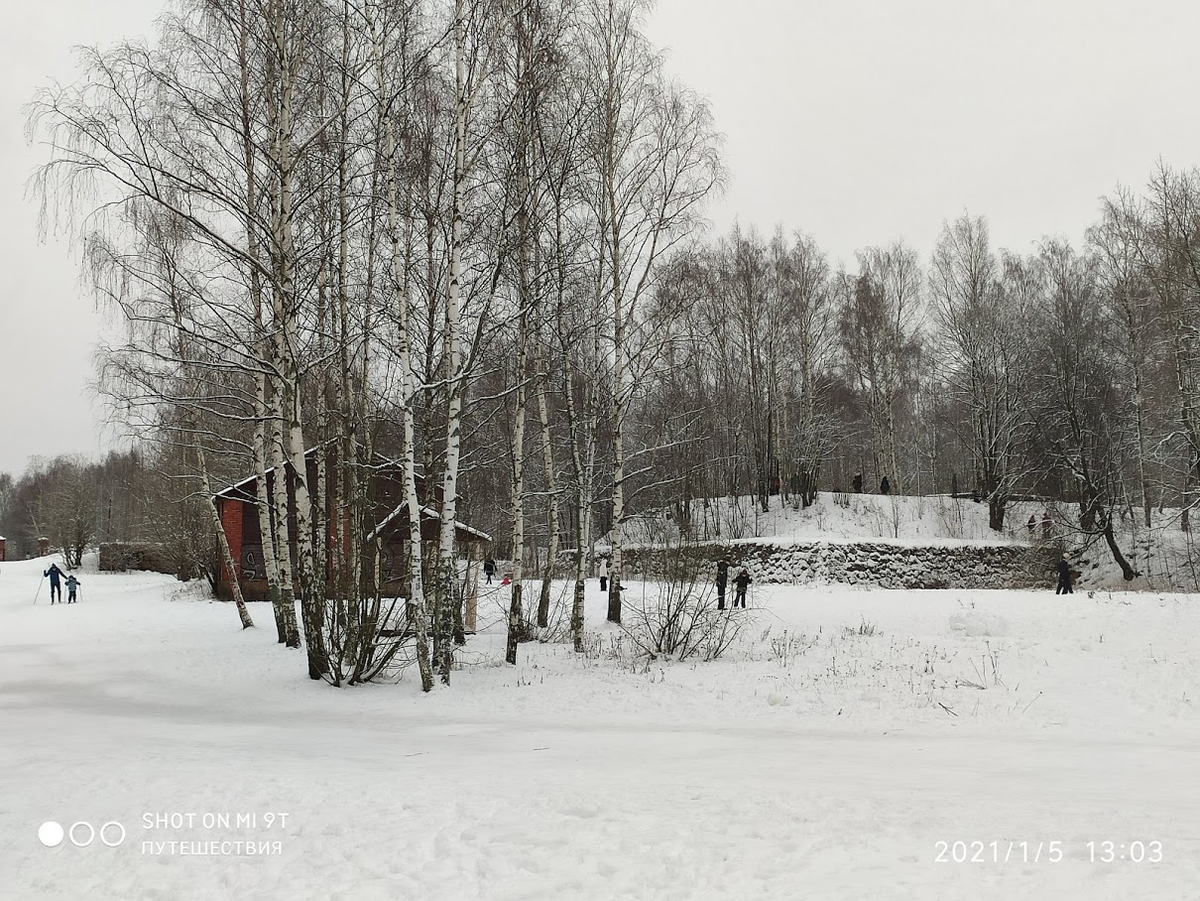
[1041, 851]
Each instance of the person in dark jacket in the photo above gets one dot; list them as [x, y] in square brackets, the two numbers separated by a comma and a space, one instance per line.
[72, 587]
[722, 581]
[1064, 577]
[885, 486]
[740, 584]
[489, 569]
[55, 588]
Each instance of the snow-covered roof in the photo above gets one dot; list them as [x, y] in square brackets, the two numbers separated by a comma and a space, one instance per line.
[238, 486]
[431, 514]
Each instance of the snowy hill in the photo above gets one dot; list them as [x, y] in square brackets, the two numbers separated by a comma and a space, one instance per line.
[1164, 555]
[924, 519]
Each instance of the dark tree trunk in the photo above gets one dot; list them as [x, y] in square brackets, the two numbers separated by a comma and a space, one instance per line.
[996, 509]
[614, 599]
[514, 623]
[1127, 571]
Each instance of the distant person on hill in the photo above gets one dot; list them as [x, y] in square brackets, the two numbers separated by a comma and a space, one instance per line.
[742, 581]
[72, 585]
[489, 569]
[722, 581]
[1046, 524]
[1064, 577]
[1032, 525]
[885, 486]
[604, 574]
[55, 588]
[857, 484]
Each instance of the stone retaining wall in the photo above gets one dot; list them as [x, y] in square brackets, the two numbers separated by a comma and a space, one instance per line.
[862, 563]
[121, 556]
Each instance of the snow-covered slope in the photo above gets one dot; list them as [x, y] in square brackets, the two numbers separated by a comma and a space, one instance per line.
[831, 517]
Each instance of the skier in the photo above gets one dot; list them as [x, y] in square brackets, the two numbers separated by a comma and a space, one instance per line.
[72, 585]
[1046, 524]
[55, 588]
[489, 569]
[740, 583]
[1064, 577]
[885, 486]
[1032, 524]
[722, 581]
[604, 574]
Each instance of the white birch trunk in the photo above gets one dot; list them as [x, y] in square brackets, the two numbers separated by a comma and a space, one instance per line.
[617, 412]
[416, 608]
[285, 612]
[311, 606]
[447, 575]
[543, 611]
[285, 617]
[219, 528]
[515, 612]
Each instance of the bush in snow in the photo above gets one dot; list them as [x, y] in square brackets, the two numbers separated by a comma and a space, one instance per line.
[681, 619]
[863, 628]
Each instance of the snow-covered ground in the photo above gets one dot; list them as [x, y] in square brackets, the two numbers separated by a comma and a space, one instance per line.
[815, 761]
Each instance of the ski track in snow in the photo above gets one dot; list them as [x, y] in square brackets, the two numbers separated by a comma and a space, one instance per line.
[829, 770]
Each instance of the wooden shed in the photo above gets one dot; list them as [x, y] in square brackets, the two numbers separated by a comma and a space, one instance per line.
[237, 506]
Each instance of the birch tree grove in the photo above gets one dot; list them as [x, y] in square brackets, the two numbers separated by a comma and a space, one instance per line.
[421, 281]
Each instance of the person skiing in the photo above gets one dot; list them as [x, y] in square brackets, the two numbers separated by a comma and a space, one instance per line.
[604, 574]
[72, 585]
[1032, 524]
[55, 588]
[1046, 524]
[489, 569]
[722, 581]
[742, 581]
[885, 486]
[1064, 577]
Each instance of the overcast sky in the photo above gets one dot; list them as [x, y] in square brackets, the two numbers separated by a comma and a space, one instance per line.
[857, 121]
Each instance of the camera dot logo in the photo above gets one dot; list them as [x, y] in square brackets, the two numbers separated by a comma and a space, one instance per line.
[81, 834]
[50, 834]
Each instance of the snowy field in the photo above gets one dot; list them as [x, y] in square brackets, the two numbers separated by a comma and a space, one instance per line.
[814, 762]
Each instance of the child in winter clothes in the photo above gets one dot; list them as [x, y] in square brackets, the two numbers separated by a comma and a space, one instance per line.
[740, 584]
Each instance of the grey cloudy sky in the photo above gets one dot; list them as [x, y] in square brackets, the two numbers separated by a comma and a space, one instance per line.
[858, 121]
